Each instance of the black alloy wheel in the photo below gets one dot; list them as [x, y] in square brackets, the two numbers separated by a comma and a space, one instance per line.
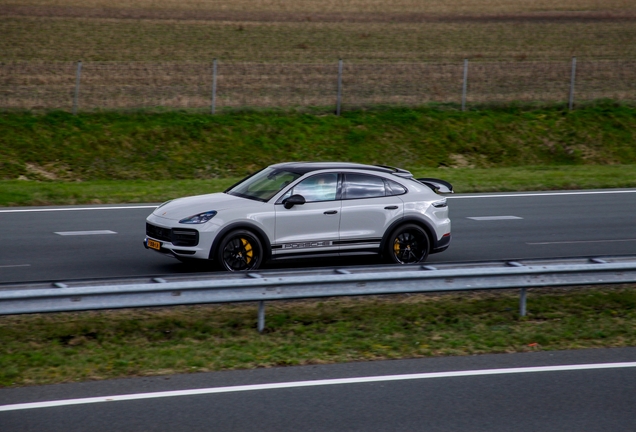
[408, 244]
[240, 250]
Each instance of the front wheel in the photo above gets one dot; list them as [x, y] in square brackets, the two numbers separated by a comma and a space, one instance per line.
[408, 244]
[240, 250]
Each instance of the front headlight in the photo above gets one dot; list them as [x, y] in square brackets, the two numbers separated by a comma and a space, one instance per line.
[200, 218]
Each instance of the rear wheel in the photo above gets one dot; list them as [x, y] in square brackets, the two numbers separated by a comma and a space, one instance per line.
[408, 244]
[240, 250]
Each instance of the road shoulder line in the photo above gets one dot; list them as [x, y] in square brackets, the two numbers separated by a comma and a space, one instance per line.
[314, 383]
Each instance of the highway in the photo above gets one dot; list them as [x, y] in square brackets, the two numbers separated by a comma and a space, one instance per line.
[595, 392]
[586, 390]
[46, 244]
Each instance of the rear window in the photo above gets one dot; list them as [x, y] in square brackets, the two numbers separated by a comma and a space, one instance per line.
[394, 188]
[358, 186]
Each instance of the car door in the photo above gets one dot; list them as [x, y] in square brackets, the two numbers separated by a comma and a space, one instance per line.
[313, 227]
[369, 207]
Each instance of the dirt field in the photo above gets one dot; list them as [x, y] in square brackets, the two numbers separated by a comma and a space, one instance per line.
[316, 31]
[147, 53]
[447, 7]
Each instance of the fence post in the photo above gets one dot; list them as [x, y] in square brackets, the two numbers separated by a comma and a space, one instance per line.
[465, 85]
[261, 316]
[213, 106]
[572, 78]
[339, 98]
[77, 86]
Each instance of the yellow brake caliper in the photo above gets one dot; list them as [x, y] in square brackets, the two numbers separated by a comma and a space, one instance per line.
[396, 247]
[249, 252]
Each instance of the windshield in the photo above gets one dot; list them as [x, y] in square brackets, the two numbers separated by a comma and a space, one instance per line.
[263, 185]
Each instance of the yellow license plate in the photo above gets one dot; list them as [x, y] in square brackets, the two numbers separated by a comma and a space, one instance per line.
[153, 244]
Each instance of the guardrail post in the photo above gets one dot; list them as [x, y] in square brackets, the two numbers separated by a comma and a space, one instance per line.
[213, 106]
[572, 78]
[465, 85]
[522, 302]
[339, 96]
[261, 316]
[77, 86]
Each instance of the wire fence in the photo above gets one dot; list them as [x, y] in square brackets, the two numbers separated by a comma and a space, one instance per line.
[76, 86]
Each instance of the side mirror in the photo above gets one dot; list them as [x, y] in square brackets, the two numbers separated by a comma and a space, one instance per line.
[293, 200]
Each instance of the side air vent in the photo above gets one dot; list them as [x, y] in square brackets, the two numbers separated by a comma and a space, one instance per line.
[185, 237]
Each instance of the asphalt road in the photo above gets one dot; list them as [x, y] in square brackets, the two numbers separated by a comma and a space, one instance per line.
[506, 399]
[36, 245]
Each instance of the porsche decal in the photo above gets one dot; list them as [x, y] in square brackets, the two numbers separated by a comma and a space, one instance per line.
[326, 243]
[305, 245]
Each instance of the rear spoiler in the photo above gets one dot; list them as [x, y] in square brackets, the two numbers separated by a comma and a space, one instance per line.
[439, 186]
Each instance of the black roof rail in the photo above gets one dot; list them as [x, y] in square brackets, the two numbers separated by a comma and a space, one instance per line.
[397, 171]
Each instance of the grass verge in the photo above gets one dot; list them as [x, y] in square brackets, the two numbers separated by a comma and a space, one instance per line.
[180, 146]
[43, 349]
[465, 180]
[102, 158]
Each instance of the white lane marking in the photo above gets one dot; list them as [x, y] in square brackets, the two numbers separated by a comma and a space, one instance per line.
[82, 233]
[490, 218]
[15, 265]
[535, 194]
[314, 383]
[582, 241]
[77, 209]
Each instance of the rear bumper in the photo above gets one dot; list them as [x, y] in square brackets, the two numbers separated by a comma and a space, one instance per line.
[442, 244]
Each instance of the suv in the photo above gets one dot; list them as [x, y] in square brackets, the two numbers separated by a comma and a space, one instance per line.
[307, 209]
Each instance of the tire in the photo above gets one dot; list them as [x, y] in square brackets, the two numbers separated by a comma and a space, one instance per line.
[240, 250]
[408, 244]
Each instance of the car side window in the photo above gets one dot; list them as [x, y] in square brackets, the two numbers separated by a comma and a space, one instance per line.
[321, 187]
[394, 188]
[358, 186]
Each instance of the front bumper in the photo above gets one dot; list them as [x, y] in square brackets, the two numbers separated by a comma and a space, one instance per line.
[177, 241]
[171, 250]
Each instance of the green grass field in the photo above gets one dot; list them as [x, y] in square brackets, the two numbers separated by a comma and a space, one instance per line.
[44, 349]
[58, 158]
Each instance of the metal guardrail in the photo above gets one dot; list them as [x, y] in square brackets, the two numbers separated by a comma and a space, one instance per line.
[286, 285]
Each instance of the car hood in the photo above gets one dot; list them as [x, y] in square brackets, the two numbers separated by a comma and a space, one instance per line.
[181, 208]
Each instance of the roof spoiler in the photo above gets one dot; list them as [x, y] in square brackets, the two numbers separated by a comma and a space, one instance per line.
[438, 186]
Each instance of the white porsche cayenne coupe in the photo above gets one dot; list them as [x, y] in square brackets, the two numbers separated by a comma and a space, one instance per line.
[307, 209]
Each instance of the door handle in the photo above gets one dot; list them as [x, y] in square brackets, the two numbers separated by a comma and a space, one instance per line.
[391, 208]
[331, 212]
